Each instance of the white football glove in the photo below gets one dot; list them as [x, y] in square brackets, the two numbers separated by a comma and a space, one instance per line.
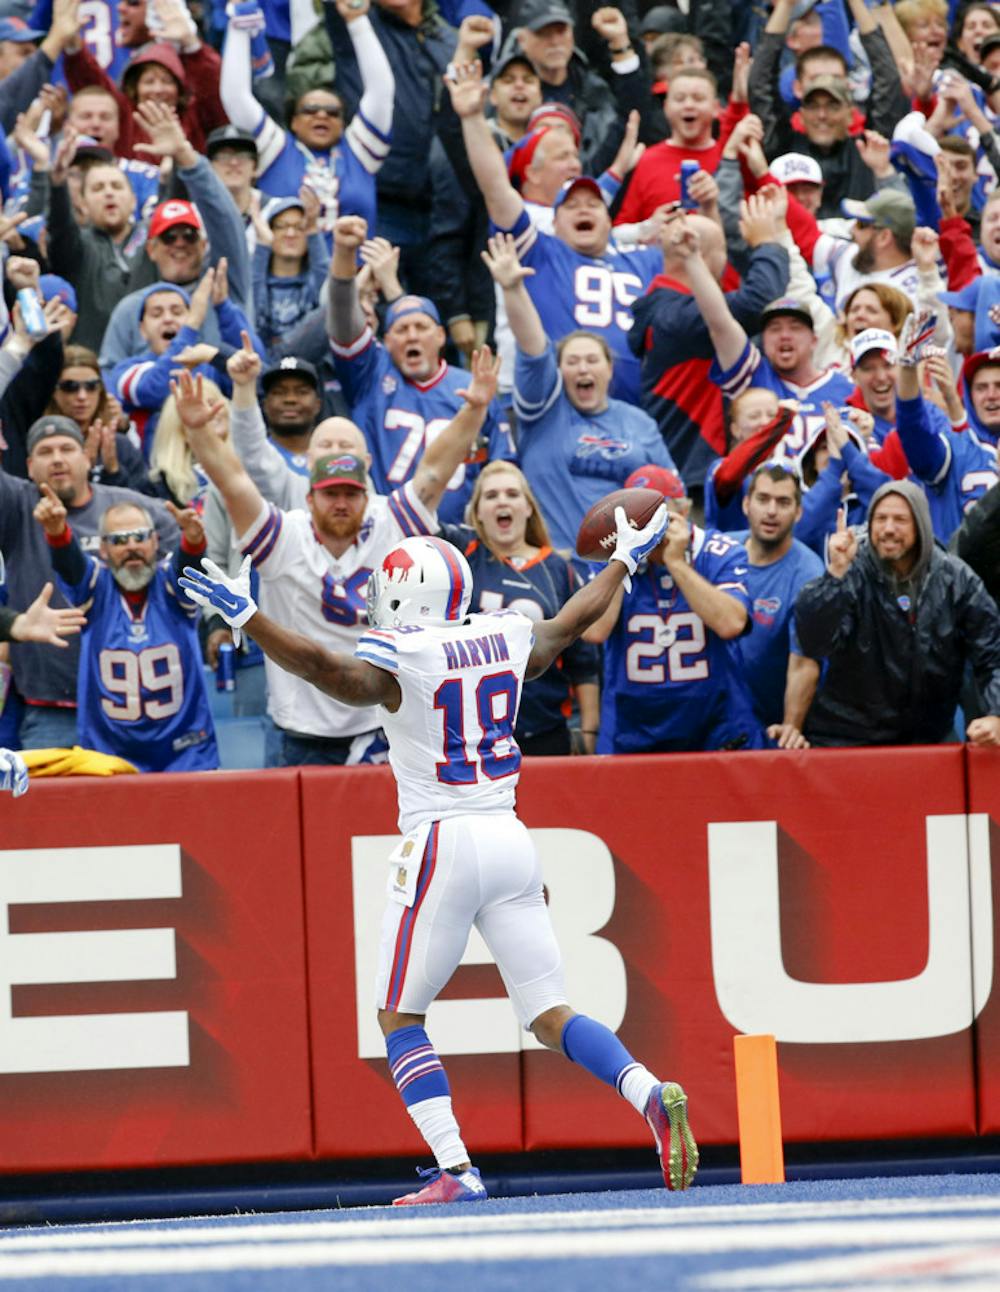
[633, 544]
[209, 586]
[13, 773]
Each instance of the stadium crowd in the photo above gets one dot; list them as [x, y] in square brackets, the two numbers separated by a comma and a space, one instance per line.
[287, 281]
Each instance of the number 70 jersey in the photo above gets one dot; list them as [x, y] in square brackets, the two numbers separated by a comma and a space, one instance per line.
[451, 741]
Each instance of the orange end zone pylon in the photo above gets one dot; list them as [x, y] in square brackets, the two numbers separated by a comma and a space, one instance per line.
[758, 1109]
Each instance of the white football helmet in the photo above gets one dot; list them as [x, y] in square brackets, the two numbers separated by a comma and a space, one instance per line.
[420, 581]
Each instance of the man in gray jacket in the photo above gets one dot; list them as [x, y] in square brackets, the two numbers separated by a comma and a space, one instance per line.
[896, 619]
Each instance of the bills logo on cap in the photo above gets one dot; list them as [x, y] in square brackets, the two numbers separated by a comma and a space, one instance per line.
[796, 168]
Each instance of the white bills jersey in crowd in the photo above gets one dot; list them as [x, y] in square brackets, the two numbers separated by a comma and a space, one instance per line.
[304, 587]
[451, 741]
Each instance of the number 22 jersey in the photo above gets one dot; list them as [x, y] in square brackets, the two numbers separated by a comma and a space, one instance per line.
[451, 741]
[670, 683]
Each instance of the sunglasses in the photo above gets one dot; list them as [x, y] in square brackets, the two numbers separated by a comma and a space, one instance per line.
[289, 228]
[73, 387]
[121, 537]
[187, 235]
[313, 109]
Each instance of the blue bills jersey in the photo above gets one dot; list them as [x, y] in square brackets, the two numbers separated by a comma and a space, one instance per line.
[572, 291]
[670, 683]
[400, 418]
[764, 651]
[537, 589]
[753, 369]
[141, 688]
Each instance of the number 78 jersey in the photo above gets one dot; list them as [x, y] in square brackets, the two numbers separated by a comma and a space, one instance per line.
[451, 741]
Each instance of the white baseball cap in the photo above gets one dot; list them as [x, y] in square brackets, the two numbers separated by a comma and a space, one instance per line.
[796, 168]
[874, 338]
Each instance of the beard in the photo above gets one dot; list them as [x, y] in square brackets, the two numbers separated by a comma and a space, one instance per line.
[133, 578]
[338, 527]
[864, 260]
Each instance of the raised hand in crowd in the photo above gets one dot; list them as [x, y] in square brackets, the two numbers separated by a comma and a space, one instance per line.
[200, 299]
[946, 200]
[101, 445]
[484, 373]
[311, 208]
[220, 282]
[22, 271]
[40, 623]
[924, 248]
[746, 141]
[189, 523]
[629, 150]
[776, 197]
[942, 379]
[476, 31]
[352, 10]
[836, 431]
[610, 25]
[467, 88]
[684, 239]
[244, 365]
[349, 232]
[758, 221]
[64, 29]
[64, 155]
[175, 22]
[742, 60]
[382, 258]
[873, 149]
[500, 258]
[27, 139]
[50, 512]
[166, 134]
[264, 232]
[841, 546]
[195, 406]
[8, 225]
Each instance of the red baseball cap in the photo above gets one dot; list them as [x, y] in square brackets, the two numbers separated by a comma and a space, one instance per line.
[662, 479]
[175, 212]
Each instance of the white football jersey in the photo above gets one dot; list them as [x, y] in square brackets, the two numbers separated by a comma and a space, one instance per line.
[451, 741]
[304, 587]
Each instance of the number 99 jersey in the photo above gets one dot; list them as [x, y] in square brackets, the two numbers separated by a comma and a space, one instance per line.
[451, 741]
[670, 683]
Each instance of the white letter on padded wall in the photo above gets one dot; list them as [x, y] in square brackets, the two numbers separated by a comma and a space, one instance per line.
[84, 1042]
[579, 875]
[756, 994]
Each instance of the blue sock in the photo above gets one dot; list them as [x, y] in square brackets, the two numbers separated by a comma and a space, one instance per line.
[415, 1066]
[596, 1048]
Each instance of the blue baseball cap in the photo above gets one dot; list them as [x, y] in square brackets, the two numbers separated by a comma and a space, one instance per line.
[581, 181]
[55, 288]
[966, 298]
[410, 305]
[17, 30]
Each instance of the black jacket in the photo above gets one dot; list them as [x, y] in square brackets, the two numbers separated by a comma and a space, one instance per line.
[896, 651]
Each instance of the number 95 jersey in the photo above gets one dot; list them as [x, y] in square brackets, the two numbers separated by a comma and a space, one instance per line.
[670, 683]
[451, 741]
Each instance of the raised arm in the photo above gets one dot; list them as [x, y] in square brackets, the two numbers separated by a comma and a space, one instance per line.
[446, 453]
[215, 455]
[345, 320]
[468, 95]
[368, 133]
[584, 608]
[727, 336]
[509, 274]
[352, 681]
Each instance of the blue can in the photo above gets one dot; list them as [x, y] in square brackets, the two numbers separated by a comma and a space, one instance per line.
[32, 315]
[688, 168]
[225, 668]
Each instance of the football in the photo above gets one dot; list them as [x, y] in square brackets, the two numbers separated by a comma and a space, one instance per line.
[595, 540]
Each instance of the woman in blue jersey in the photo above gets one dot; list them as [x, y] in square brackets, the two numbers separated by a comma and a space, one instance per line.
[338, 164]
[575, 444]
[506, 543]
